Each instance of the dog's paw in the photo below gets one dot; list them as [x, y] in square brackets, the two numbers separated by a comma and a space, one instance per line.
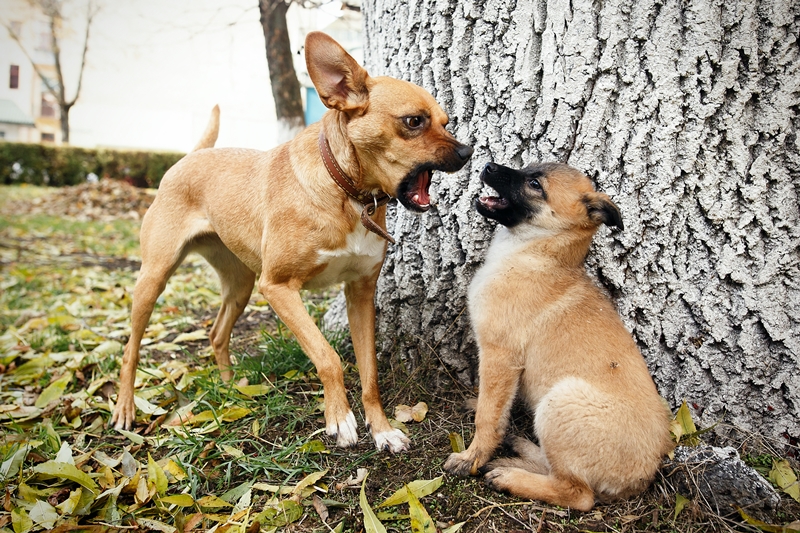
[461, 464]
[124, 415]
[393, 441]
[345, 431]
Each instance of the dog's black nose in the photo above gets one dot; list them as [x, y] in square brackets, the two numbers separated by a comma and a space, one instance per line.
[490, 168]
[464, 152]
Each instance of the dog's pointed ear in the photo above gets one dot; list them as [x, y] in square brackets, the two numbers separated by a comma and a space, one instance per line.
[602, 210]
[339, 79]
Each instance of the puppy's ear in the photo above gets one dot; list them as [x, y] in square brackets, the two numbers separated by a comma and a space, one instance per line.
[602, 210]
[339, 79]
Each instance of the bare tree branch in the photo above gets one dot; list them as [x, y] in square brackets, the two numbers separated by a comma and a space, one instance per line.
[91, 11]
[54, 14]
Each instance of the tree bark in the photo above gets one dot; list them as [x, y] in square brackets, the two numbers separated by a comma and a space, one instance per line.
[685, 113]
[283, 79]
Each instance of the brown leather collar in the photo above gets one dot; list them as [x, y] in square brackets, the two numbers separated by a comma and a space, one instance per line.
[370, 201]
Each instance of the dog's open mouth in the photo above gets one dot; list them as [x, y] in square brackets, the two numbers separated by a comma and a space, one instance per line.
[419, 193]
[414, 190]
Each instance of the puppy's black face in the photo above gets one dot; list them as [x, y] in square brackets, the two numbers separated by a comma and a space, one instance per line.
[551, 196]
[520, 193]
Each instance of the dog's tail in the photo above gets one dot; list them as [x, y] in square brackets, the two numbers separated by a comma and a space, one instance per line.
[209, 137]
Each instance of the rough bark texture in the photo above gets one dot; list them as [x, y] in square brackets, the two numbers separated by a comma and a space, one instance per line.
[686, 113]
[282, 76]
[719, 480]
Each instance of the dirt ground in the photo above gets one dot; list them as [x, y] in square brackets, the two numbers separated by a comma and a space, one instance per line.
[459, 499]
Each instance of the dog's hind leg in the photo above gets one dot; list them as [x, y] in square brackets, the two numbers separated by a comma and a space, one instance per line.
[237, 283]
[162, 252]
[360, 296]
[547, 488]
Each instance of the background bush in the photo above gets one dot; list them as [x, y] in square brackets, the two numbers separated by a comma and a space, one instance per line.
[66, 165]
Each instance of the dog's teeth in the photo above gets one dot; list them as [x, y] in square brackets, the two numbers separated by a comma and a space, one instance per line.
[415, 198]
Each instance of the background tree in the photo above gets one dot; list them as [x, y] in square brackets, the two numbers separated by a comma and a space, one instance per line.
[283, 78]
[54, 13]
[686, 113]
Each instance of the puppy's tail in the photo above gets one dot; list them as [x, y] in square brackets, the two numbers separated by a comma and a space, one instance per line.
[209, 137]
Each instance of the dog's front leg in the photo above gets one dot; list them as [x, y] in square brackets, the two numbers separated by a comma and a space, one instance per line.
[286, 302]
[361, 315]
[499, 380]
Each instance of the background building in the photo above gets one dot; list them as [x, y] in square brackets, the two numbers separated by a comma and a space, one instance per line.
[154, 70]
[27, 112]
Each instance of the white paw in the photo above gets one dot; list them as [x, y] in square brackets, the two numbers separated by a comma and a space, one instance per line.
[345, 431]
[124, 415]
[393, 441]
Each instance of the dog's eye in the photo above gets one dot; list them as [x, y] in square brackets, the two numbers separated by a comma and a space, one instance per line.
[534, 182]
[414, 122]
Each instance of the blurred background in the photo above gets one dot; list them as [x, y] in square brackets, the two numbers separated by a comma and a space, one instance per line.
[147, 72]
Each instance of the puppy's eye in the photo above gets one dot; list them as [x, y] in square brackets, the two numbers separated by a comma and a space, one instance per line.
[534, 182]
[414, 123]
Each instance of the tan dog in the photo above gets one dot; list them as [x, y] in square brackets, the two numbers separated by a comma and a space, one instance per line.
[280, 215]
[547, 333]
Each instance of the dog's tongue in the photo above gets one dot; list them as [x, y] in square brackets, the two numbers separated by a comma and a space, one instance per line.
[423, 183]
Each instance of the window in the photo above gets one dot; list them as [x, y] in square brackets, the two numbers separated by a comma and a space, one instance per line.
[45, 42]
[13, 77]
[48, 137]
[2, 134]
[48, 107]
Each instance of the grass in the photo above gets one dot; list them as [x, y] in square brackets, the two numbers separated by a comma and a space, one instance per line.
[64, 317]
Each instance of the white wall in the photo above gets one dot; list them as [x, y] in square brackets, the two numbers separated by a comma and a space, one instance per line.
[155, 69]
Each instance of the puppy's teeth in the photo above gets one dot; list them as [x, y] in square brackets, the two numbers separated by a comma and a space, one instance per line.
[415, 198]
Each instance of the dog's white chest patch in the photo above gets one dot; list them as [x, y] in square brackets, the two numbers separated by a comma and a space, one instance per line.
[362, 252]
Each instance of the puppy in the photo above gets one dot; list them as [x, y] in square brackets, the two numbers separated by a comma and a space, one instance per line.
[307, 214]
[549, 335]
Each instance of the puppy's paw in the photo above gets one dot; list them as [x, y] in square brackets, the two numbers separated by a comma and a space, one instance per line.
[497, 477]
[462, 464]
[393, 441]
[345, 431]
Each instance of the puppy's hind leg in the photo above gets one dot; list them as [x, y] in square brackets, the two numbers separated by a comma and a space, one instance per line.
[237, 283]
[547, 488]
[531, 453]
[531, 457]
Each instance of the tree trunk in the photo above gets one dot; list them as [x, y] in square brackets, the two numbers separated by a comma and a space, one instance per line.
[685, 113]
[64, 121]
[282, 76]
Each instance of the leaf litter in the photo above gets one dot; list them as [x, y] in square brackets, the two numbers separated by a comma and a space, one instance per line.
[204, 455]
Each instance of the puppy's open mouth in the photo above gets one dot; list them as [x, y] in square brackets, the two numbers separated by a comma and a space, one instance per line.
[492, 200]
[414, 190]
[494, 203]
